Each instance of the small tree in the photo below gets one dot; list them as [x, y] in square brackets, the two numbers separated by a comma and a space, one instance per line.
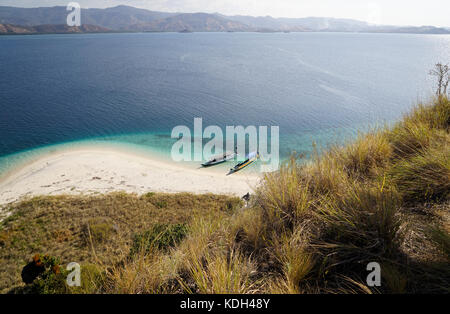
[441, 71]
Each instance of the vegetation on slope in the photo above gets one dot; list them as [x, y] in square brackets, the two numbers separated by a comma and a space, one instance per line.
[96, 231]
[311, 227]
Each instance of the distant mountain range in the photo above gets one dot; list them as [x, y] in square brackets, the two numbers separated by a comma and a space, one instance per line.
[14, 20]
[50, 29]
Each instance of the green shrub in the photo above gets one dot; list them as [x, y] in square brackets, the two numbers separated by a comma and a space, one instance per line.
[160, 236]
[50, 283]
[92, 280]
[50, 278]
[97, 232]
[161, 204]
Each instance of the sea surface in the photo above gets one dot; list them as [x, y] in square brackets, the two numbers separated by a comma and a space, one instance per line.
[132, 89]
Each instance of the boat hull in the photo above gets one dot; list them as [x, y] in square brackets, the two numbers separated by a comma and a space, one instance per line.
[217, 162]
[242, 166]
[209, 164]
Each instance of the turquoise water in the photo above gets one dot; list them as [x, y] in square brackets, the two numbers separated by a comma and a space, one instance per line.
[132, 89]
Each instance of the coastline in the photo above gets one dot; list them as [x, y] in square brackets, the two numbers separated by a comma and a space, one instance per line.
[96, 170]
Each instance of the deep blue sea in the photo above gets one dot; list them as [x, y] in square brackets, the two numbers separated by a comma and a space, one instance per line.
[134, 88]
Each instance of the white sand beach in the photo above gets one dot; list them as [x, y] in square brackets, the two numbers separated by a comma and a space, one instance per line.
[103, 170]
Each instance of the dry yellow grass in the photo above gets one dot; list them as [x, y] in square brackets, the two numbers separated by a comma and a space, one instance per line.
[94, 229]
[312, 227]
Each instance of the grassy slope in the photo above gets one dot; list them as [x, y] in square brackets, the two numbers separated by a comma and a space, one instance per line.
[311, 228]
[92, 230]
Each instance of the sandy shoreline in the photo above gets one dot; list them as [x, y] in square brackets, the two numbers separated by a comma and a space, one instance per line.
[104, 170]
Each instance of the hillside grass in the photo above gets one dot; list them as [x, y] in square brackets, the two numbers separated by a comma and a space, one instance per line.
[93, 230]
[311, 227]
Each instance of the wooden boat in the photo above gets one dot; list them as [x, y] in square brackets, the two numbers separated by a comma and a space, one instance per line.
[218, 159]
[250, 159]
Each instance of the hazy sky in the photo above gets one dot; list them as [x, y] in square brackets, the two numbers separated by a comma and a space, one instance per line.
[394, 12]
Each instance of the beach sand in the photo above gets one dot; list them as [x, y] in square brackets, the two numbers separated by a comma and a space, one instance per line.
[103, 170]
